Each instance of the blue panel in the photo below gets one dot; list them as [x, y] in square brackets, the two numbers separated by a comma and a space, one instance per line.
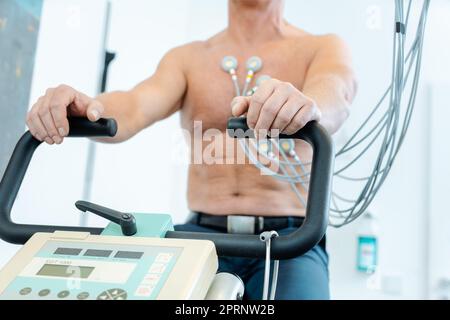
[19, 26]
[34, 7]
[148, 225]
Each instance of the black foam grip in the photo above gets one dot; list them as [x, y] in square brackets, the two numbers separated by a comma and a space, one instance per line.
[236, 124]
[81, 127]
[17, 168]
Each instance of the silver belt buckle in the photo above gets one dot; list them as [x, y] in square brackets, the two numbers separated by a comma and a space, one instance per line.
[244, 224]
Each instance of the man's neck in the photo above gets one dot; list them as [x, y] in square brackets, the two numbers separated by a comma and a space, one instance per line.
[255, 23]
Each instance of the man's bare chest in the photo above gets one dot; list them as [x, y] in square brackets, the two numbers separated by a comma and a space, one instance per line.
[211, 89]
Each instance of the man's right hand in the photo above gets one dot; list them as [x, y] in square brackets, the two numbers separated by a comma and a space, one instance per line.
[47, 119]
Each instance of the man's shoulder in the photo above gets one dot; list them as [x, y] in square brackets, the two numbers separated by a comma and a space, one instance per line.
[178, 56]
[196, 47]
[301, 36]
[302, 40]
[329, 39]
[188, 48]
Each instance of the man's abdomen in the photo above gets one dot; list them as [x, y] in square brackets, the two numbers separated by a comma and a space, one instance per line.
[240, 189]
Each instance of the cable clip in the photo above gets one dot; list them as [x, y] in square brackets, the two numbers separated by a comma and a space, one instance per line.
[267, 238]
[400, 28]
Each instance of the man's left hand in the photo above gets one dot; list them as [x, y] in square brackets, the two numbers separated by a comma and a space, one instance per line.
[278, 107]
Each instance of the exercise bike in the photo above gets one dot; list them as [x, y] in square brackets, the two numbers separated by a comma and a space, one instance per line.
[140, 256]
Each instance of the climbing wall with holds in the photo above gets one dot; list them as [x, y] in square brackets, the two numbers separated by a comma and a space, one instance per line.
[19, 26]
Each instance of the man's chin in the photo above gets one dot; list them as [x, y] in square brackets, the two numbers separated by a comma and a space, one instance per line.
[253, 3]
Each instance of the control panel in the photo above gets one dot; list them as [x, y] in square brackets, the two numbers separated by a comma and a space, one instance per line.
[80, 266]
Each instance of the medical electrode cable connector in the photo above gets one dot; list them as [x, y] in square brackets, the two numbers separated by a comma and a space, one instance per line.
[259, 82]
[254, 64]
[230, 65]
[266, 237]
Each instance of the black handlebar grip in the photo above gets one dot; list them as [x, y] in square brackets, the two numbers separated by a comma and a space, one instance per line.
[17, 167]
[82, 127]
[237, 124]
[238, 128]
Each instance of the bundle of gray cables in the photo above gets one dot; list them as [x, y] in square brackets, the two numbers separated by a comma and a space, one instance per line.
[383, 131]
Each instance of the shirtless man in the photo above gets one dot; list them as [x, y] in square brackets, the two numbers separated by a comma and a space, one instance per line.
[312, 80]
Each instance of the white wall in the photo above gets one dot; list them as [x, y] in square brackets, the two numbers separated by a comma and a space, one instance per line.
[69, 51]
[136, 176]
[438, 173]
[140, 166]
[410, 216]
[403, 209]
[398, 213]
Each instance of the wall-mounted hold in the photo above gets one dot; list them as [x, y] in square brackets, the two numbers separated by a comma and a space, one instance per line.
[3, 22]
[18, 71]
[31, 28]
[33, 7]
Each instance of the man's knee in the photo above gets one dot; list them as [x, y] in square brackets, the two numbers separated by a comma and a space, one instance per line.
[305, 277]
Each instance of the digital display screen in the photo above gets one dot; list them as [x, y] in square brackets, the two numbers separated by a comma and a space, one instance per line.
[97, 253]
[68, 251]
[129, 254]
[65, 271]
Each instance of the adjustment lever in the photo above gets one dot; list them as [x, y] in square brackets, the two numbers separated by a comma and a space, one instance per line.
[126, 221]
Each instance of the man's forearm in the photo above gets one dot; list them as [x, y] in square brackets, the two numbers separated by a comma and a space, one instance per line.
[152, 100]
[123, 107]
[333, 96]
